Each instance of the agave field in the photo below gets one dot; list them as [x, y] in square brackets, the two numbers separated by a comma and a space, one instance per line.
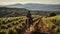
[51, 24]
[16, 25]
[12, 25]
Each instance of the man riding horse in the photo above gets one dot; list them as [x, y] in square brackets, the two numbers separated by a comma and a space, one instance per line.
[29, 19]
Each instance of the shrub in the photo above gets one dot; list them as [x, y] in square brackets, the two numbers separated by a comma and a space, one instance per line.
[3, 22]
[23, 24]
[3, 27]
[8, 25]
[11, 32]
[9, 20]
[53, 27]
[20, 26]
[18, 30]
[13, 24]
[52, 14]
[17, 19]
[2, 33]
[17, 23]
[0, 23]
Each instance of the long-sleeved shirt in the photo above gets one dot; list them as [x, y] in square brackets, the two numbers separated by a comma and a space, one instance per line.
[28, 15]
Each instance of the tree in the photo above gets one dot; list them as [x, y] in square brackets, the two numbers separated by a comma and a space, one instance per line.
[52, 14]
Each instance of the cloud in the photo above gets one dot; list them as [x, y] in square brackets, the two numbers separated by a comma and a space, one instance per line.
[7, 2]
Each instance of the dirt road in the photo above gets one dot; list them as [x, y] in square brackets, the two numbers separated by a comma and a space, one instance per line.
[32, 27]
[38, 27]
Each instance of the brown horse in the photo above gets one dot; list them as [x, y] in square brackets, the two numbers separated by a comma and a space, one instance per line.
[29, 21]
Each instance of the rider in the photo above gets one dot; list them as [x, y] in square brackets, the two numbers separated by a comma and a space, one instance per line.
[28, 14]
[29, 19]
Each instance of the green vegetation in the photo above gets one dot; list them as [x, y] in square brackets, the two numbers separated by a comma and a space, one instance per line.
[52, 24]
[13, 12]
[12, 25]
[52, 14]
[12, 20]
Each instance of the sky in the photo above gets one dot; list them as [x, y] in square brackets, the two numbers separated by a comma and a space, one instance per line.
[8, 2]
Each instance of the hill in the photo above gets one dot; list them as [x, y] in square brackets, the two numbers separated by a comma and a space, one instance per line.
[12, 12]
[33, 6]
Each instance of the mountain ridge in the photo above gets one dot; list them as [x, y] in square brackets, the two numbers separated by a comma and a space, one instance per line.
[35, 6]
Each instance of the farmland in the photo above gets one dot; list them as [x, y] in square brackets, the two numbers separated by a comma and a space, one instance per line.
[45, 25]
[51, 25]
[13, 24]
[13, 21]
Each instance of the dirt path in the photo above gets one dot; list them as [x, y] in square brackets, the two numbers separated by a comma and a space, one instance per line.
[32, 27]
[38, 25]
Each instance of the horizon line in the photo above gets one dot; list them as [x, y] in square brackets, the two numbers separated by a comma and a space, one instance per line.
[29, 3]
